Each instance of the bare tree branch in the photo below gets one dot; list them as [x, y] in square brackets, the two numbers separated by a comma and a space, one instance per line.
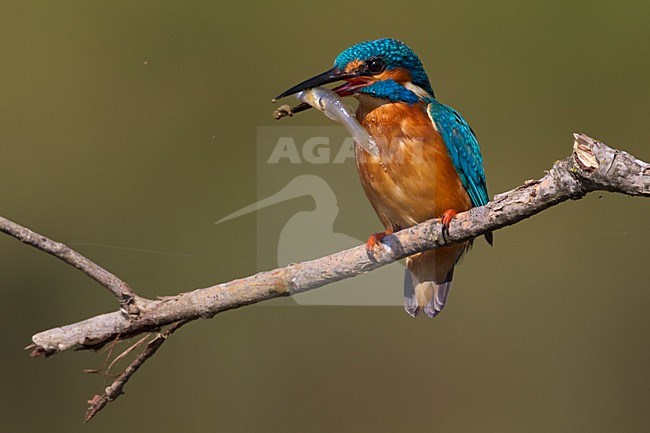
[98, 402]
[114, 284]
[592, 166]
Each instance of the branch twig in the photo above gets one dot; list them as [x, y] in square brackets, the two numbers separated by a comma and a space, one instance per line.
[115, 285]
[98, 402]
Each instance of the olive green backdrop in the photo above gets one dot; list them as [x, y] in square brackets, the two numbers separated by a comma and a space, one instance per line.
[127, 129]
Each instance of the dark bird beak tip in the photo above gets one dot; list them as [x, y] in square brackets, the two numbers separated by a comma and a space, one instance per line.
[326, 77]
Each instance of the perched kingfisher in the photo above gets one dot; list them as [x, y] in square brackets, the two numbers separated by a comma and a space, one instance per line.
[429, 163]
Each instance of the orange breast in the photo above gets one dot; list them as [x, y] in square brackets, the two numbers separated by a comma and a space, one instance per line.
[413, 178]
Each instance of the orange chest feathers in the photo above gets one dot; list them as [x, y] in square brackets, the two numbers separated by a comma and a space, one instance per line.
[413, 178]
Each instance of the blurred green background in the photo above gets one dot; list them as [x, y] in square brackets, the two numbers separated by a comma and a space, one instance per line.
[127, 129]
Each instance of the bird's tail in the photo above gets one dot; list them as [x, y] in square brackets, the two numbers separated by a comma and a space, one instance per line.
[427, 280]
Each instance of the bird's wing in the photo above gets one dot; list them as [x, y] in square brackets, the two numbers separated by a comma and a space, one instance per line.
[463, 148]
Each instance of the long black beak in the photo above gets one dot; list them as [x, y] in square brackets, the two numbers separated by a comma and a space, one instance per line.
[326, 77]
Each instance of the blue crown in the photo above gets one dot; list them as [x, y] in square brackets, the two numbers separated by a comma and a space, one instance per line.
[395, 53]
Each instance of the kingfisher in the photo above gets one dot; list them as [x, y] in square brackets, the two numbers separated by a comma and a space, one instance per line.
[429, 163]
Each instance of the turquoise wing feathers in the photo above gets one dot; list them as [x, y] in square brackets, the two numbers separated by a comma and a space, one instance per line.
[463, 148]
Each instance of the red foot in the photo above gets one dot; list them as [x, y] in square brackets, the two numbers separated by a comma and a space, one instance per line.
[448, 215]
[446, 219]
[374, 239]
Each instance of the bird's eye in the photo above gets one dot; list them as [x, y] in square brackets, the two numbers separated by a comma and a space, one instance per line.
[376, 66]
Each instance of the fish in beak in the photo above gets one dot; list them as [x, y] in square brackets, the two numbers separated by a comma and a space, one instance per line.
[353, 81]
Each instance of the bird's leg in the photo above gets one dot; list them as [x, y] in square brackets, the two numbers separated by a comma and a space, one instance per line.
[445, 219]
[376, 238]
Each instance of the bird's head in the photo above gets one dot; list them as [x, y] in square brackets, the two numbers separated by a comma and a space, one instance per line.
[383, 68]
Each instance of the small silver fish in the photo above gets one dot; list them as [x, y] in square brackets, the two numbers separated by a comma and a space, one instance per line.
[330, 103]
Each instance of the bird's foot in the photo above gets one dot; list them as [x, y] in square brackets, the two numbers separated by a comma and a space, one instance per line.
[445, 219]
[374, 239]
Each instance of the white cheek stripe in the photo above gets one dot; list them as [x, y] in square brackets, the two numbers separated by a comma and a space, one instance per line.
[417, 90]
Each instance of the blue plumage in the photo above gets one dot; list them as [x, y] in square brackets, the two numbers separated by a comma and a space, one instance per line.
[463, 148]
[394, 52]
[391, 90]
